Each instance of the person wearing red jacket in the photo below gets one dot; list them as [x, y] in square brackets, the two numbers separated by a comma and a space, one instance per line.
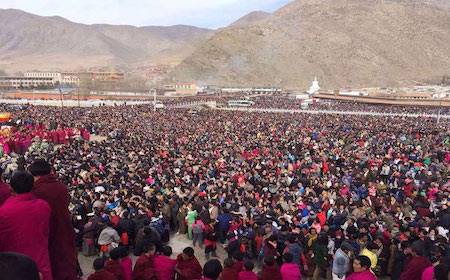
[100, 273]
[187, 266]
[61, 243]
[24, 224]
[113, 265]
[144, 268]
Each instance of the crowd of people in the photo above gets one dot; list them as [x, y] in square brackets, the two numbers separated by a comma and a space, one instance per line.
[286, 195]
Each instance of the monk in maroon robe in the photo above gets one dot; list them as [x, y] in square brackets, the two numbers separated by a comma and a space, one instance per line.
[63, 253]
[100, 272]
[144, 268]
[4, 190]
[54, 135]
[113, 265]
[187, 265]
[24, 224]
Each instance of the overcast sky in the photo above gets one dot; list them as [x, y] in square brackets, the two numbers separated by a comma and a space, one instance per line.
[201, 13]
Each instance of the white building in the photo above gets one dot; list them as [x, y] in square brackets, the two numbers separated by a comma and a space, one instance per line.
[26, 82]
[314, 87]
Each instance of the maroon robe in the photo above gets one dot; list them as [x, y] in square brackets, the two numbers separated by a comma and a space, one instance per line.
[63, 254]
[144, 269]
[102, 275]
[271, 273]
[190, 269]
[54, 136]
[115, 268]
[229, 273]
[24, 228]
[5, 192]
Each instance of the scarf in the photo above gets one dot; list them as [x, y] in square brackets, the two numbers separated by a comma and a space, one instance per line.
[311, 239]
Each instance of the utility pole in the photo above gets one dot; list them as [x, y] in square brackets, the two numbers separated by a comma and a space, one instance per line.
[61, 97]
[154, 100]
[439, 112]
[78, 90]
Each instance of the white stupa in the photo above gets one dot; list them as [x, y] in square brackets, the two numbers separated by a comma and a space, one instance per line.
[314, 87]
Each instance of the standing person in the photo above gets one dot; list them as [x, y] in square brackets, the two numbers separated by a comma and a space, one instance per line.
[210, 240]
[371, 252]
[24, 224]
[290, 270]
[271, 270]
[191, 216]
[197, 230]
[181, 219]
[361, 269]
[144, 268]
[342, 261]
[63, 254]
[321, 257]
[5, 192]
[296, 251]
[212, 270]
[187, 266]
[417, 265]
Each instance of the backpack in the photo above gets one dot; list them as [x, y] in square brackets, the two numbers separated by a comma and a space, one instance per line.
[158, 226]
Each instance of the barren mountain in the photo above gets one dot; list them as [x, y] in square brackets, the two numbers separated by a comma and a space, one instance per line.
[250, 19]
[29, 42]
[345, 43]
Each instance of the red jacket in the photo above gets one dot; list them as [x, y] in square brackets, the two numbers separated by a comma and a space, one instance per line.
[290, 271]
[229, 274]
[144, 269]
[24, 228]
[115, 268]
[190, 269]
[5, 192]
[63, 254]
[164, 266]
[271, 273]
[102, 275]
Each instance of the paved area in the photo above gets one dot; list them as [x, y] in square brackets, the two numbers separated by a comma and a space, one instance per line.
[177, 242]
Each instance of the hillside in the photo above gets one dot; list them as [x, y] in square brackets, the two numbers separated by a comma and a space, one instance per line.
[30, 42]
[345, 43]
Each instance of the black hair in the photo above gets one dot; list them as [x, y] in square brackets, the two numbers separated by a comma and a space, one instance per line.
[98, 264]
[269, 260]
[228, 262]
[167, 251]
[148, 247]
[123, 251]
[372, 245]
[15, 266]
[248, 265]
[189, 251]
[212, 269]
[21, 182]
[288, 257]
[39, 167]
[364, 261]
[147, 230]
[238, 256]
[291, 239]
[115, 254]
[441, 271]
